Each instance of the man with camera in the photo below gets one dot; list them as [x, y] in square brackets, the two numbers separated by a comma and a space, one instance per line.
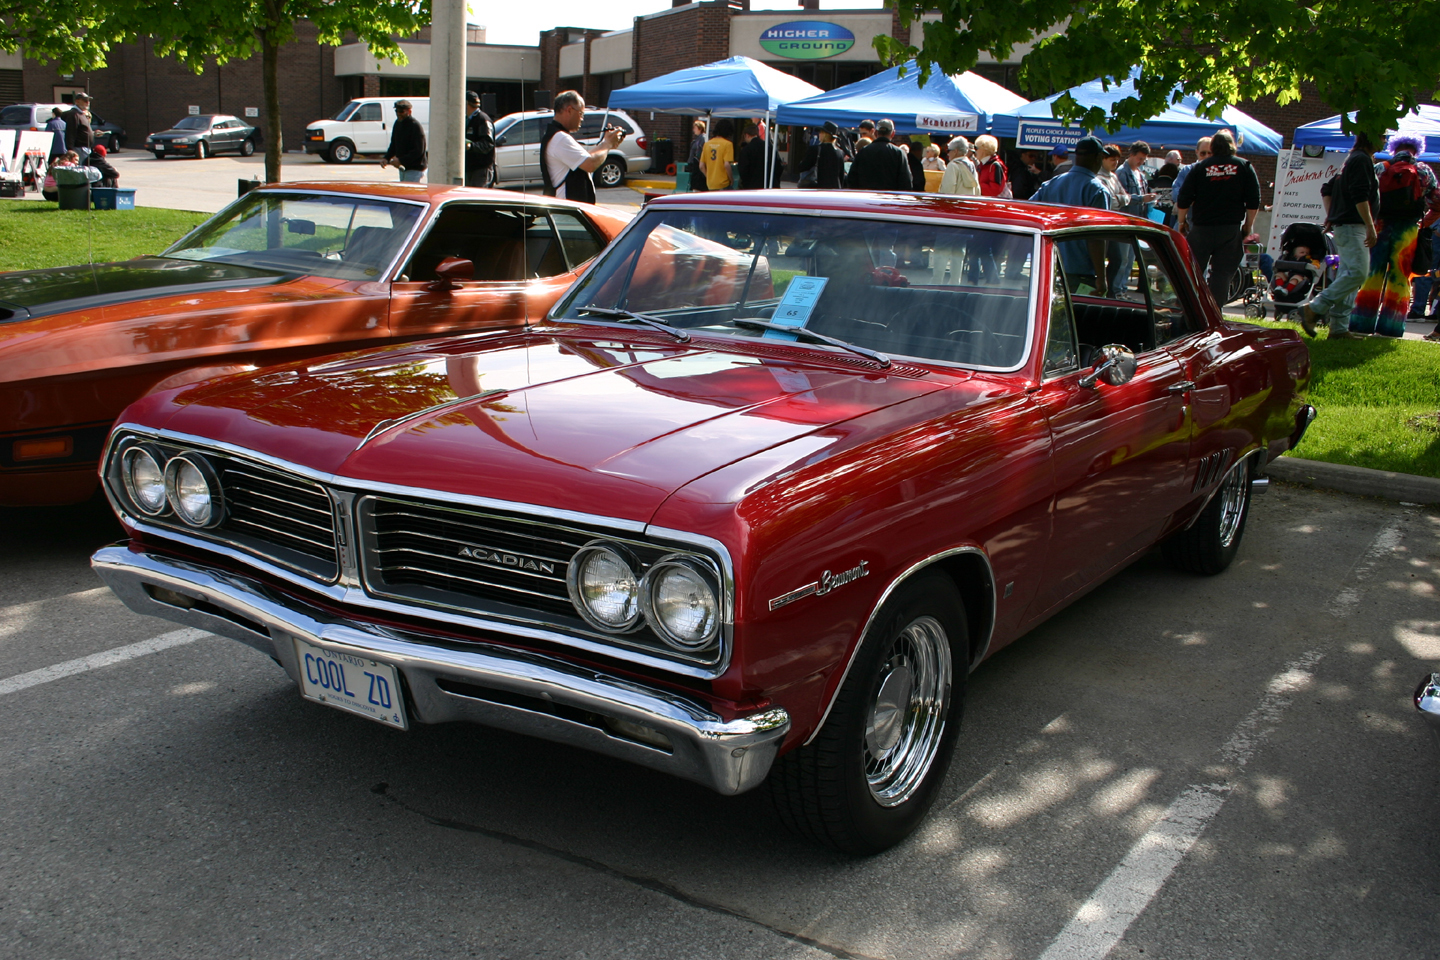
[565, 165]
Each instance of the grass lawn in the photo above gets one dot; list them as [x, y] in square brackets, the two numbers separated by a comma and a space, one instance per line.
[1378, 401]
[37, 234]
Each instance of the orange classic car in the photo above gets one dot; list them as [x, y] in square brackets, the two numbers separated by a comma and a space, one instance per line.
[285, 273]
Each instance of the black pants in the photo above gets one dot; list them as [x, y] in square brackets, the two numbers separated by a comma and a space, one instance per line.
[1218, 246]
[479, 176]
[697, 177]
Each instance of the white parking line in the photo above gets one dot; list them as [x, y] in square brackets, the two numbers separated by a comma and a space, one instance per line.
[1343, 604]
[1103, 919]
[95, 661]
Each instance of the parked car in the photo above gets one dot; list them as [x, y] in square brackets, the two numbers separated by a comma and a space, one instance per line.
[778, 472]
[34, 116]
[202, 135]
[517, 146]
[283, 273]
[361, 128]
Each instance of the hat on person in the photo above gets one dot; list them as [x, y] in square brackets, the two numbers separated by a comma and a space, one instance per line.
[830, 127]
[1090, 145]
[471, 96]
[82, 95]
[403, 105]
[1061, 150]
[100, 149]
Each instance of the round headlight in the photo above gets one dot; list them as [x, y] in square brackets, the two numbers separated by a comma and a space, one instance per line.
[682, 604]
[144, 480]
[604, 588]
[193, 490]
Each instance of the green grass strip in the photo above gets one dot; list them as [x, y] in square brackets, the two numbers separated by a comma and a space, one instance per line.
[36, 234]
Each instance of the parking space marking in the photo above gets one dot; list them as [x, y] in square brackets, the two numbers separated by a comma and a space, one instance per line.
[1103, 919]
[95, 661]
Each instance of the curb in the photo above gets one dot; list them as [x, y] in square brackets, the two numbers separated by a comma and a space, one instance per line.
[1405, 487]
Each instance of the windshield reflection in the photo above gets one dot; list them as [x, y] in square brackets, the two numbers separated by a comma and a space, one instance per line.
[928, 290]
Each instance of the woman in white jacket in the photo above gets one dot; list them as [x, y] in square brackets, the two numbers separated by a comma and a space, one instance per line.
[960, 171]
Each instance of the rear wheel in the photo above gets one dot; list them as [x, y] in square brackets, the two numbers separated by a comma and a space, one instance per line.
[610, 174]
[871, 774]
[202, 150]
[1212, 541]
[342, 151]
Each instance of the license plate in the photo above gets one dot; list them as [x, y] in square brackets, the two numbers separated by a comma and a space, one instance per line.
[358, 684]
[159, 147]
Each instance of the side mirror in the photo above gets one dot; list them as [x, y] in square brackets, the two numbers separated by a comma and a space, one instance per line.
[450, 271]
[500, 141]
[1115, 365]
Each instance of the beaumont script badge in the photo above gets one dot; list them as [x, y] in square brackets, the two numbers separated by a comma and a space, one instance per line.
[828, 581]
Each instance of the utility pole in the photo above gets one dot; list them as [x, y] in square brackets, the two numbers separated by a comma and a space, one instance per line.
[448, 33]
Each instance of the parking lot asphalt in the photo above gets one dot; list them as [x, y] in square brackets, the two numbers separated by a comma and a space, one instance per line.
[1173, 767]
[208, 185]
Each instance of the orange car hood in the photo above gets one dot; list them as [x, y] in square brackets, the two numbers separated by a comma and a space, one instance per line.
[29, 294]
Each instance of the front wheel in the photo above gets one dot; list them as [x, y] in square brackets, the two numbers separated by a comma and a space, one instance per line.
[247, 148]
[201, 150]
[1212, 541]
[341, 151]
[610, 174]
[869, 777]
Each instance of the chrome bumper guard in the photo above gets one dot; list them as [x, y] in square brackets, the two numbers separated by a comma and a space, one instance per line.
[1427, 701]
[474, 682]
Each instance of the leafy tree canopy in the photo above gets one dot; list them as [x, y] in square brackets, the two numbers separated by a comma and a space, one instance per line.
[1374, 57]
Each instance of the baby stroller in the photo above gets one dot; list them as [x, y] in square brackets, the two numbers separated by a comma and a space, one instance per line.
[1307, 263]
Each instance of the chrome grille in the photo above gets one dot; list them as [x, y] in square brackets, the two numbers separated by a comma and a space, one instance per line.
[284, 511]
[485, 556]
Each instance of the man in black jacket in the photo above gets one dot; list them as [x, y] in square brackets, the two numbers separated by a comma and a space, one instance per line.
[751, 161]
[1353, 203]
[1225, 193]
[407, 145]
[479, 143]
[881, 165]
[78, 134]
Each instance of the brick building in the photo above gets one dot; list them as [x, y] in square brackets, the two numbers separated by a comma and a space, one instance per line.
[145, 93]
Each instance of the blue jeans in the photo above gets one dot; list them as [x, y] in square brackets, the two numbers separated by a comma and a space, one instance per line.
[411, 176]
[1337, 300]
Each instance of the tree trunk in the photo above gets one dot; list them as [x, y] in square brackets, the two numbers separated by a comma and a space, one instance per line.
[274, 143]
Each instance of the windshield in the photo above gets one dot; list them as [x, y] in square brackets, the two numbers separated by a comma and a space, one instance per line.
[933, 291]
[193, 123]
[346, 110]
[341, 237]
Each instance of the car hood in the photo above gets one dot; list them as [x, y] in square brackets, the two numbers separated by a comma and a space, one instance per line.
[172, 134]
[598, 426]
[27, 294]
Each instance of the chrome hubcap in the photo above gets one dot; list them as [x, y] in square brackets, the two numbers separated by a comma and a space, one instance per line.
[907, 718]
[1232, 504]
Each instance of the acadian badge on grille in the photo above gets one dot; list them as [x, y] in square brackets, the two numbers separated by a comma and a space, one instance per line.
[504, 559]
[948, 122]
[806, 40]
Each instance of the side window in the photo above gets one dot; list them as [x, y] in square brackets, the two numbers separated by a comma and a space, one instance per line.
[1120, 315]
[1061, 350]
[492, 238]
[579, 243]
[526, 131]
[1172, 320]
[543, 254]
[369, 112]
[590, 127]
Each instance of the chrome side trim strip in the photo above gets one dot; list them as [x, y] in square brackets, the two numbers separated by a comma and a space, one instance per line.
[904, 575]
[473, 682]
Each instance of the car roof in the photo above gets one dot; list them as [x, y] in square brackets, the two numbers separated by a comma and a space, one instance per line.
[432, 193]
[1015, 213]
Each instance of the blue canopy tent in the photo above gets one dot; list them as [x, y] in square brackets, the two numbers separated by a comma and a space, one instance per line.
[960, 104]
[1034, 128]
[1423, 123]
[737, 87]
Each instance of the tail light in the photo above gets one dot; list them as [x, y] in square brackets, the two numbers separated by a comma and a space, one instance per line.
[642, 143]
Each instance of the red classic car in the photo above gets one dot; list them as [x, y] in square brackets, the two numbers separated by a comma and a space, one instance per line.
[282, 274]
[781, 469]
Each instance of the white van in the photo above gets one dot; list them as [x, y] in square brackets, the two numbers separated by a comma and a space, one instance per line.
[361, 128]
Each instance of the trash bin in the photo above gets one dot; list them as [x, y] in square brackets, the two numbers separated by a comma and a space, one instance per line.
[662, 154]
[247, 185]
[74, 196]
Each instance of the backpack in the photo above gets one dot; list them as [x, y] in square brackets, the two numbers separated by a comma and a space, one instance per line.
[1402, 191]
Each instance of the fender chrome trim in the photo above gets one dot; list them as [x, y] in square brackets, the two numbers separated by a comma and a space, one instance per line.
[903, 576]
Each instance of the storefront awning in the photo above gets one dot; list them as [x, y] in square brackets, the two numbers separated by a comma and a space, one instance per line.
[960, 104]
[1034, 127]
[737, 87]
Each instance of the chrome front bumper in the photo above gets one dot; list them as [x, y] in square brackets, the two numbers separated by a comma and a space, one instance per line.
[476, 682]
[1427, 701]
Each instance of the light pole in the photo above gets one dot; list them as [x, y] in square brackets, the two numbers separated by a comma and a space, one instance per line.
[447, 91]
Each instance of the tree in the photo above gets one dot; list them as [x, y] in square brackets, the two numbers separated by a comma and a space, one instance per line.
[1364, 55]
[79, 33]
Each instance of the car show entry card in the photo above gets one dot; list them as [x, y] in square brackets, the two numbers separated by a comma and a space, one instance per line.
[796, 306]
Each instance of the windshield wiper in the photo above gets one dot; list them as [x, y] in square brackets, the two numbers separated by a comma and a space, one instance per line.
[617, 314]
[809, 334]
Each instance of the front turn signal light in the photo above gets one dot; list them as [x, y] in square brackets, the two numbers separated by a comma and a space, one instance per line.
[51, 448]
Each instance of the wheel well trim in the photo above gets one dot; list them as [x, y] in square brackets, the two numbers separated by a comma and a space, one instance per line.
[1240, 461]
[903, 577]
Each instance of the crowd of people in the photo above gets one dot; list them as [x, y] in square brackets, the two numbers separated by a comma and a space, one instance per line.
[75, 158]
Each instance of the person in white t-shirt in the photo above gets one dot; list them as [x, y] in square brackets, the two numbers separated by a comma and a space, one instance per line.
[565, 164]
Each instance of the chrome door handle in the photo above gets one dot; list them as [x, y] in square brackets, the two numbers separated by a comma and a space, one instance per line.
[1184, 386]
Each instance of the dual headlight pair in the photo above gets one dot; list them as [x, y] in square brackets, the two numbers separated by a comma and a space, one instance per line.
[678, 596]
[187, 484]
